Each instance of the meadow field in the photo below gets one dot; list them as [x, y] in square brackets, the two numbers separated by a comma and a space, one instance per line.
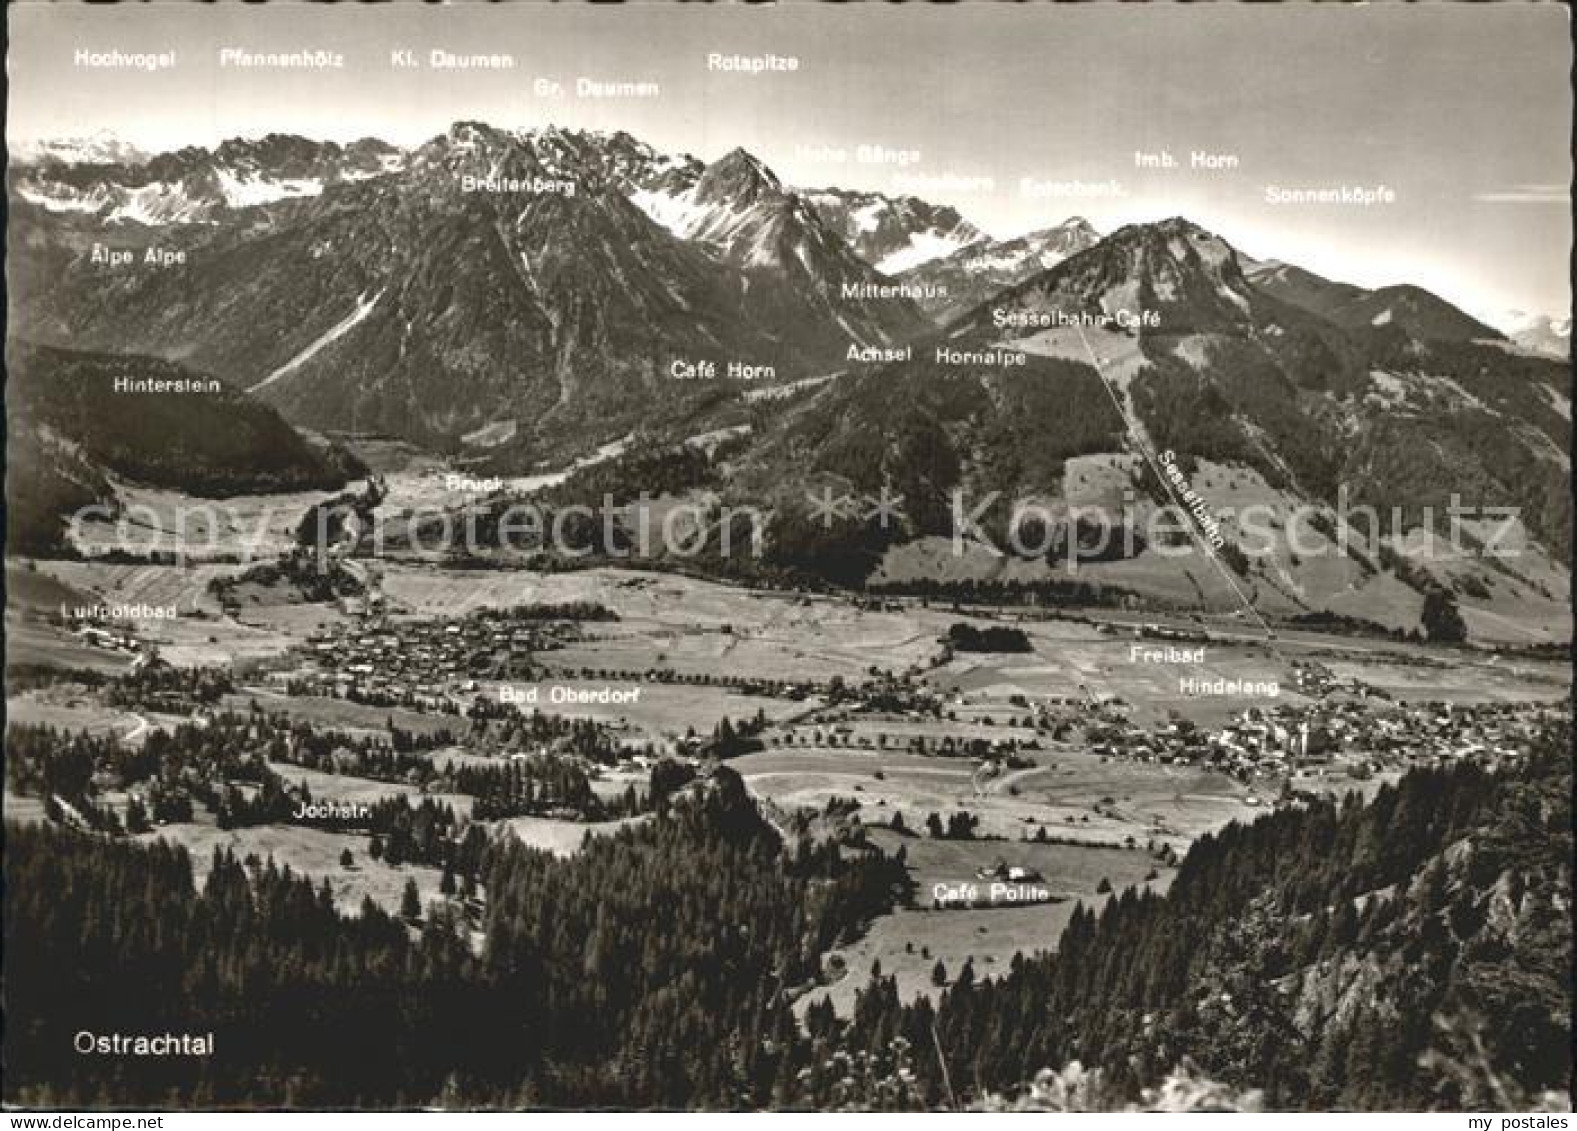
[910, 942]
[342, 714]
[308, 852]
[1069, 794]
[562, 838]
[348, 789]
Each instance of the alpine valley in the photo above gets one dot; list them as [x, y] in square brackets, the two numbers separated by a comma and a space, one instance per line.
[511, 301]
[532, 621]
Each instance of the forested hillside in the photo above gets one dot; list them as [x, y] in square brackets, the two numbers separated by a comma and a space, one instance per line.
[47, 478]
[1412, 952]
[214, 444]
[652, 969]
[69, 428]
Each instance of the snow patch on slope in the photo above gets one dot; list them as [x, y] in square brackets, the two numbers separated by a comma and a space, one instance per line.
[869, 218]
[67, 202]
[677, 212]
[923, 247]
[155, 204]
[240, 192]
[338, 330]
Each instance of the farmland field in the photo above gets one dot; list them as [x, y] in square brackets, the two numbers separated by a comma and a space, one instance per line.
[688, 625]
[252, 527]
[343, 714]
[24, 810]
[1113, 818]
[28, 644]
[1071, 795]
[69, 712]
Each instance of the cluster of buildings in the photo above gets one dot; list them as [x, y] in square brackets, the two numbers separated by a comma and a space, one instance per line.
[108, 639]
[1341, 735]
[418, 663]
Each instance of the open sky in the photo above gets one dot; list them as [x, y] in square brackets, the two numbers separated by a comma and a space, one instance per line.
[1462, 111]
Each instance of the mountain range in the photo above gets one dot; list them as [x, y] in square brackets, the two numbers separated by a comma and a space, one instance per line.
[512, 298]
[417, 299]
[1276, 388]
[99, 148]
[112, 183]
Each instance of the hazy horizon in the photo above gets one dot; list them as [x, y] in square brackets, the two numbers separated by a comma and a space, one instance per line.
[1464, 114]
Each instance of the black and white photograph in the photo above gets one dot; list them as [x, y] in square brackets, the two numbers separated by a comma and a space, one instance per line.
[804, 557]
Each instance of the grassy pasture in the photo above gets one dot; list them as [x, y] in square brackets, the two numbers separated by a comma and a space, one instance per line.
[342, 714]
[310, 852]
[347, 789]
[1070, 794]
[909, 942]
[562, 838]
[70, 712]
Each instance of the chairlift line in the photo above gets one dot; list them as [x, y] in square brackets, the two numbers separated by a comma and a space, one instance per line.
[1192, 525]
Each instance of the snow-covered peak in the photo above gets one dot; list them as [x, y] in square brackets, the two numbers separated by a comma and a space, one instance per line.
[193, 185]
[99, 148]
[1541, 333]
[893, 233]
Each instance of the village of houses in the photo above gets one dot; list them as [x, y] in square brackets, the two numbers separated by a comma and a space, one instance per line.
[1335, 733]
[1330, 736]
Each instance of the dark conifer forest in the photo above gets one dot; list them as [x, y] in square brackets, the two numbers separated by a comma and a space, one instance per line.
[1409, 952]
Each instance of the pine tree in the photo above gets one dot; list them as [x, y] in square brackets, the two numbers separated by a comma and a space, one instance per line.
[410, 902]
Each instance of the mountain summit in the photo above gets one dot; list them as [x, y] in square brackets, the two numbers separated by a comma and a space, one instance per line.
[737, 180]
[1188, 276]
[893, 233]
[1159, 338]
[984, 267]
